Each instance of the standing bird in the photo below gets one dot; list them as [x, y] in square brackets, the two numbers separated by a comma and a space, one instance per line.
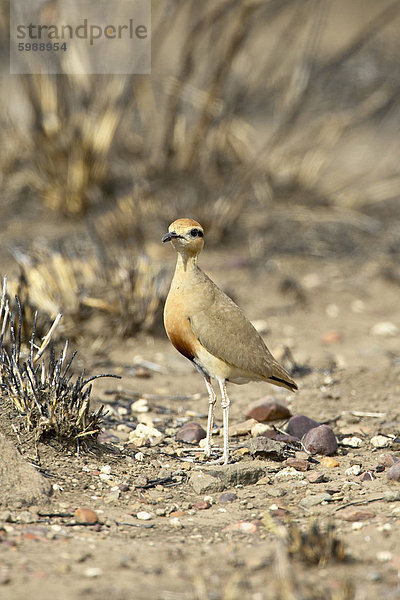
[207, 327]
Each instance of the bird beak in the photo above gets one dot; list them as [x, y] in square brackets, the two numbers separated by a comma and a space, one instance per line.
[170, 236]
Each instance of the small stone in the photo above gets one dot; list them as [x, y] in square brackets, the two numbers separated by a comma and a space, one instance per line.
[203, 483]
[384, 556]
[352, 442]
[203, 505]
[288, 473]
[331, 337]
[354, 470]
[242, 527]
[92, 572]
[260, 429]
[105, 469]
[85, 515]
[242, 428]
[143, 515]
[300, 464]
[316, 477]
[227, 497]
[352, 513]
[144, 433]
[191, 433]
[140, 406]
[388, 460]
[160, 512]
[315, 499]
[392, 495]
[380, 441]
[266, 410]
[262, 447]
[367, 476]
[394, 472]
[320, 440]
[385, 328]
[299, 425]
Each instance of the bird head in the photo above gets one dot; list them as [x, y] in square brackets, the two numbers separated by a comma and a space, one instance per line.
[186, 235]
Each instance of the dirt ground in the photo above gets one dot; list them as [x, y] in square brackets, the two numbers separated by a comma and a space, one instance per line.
[340, 319]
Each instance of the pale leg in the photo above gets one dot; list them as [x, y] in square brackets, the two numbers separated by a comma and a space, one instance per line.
[225, 414]
[211, 403]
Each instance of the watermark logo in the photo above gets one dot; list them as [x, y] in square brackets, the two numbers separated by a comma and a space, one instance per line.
[80, 36]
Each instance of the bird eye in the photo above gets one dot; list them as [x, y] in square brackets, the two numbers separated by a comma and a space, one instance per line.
[196, 233]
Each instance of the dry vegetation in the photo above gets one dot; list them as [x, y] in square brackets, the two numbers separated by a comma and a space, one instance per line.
[47, 401]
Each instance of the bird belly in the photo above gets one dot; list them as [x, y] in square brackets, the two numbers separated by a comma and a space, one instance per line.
[219, 369]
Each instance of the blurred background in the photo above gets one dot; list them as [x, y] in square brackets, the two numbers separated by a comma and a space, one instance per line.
[275, 123]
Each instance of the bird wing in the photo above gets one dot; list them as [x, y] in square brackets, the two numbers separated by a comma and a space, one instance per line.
[223, 329]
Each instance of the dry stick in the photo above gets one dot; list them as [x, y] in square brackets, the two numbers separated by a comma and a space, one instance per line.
[360, 502]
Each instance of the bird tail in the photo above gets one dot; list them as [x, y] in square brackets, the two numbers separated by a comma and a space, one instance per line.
[282, 378]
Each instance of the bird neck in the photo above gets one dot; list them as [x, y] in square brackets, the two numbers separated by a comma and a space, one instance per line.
[186, 262]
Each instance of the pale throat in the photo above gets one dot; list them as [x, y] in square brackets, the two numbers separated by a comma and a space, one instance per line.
[187, 261]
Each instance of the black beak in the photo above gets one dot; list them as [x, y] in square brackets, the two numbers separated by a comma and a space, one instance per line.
[170, 236]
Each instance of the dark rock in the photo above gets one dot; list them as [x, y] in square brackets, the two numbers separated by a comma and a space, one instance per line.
[279, 437]
[299, 425]
[227, 497]
[320, 440]
[191, 433]
[266, 410]
[263, 447]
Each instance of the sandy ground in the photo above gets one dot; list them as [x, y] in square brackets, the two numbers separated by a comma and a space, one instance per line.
[192, 545]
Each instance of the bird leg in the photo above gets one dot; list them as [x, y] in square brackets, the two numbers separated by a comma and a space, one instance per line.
[212, 398]
[225, 414]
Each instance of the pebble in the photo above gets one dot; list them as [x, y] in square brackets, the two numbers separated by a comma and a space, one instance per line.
[299, 425]
[263, 447]
[331, 337]
[267, 410]
[352, 442]
[388, 460]
[353, 513]
[191, 433]
[391, 496]
[385, 328]
[92, 572]
[300, 464]
[105, 469]
[354, 470]
[85, 515]
[315, 499]
[320, 440]
[143, 515]
[243, 527]
[381, 441]
[329, 463]
[288, 473]
[140, 406]
[367, 476]
[394, 472]
[227, 497]
[316, 477]
[144, 433]
[203, 505]
[384, 556]
[242, 428]
[260, 429]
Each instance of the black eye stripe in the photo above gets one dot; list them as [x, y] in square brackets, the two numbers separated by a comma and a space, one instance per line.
[196, 233]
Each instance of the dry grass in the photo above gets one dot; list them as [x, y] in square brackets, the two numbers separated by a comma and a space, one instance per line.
[50, 404]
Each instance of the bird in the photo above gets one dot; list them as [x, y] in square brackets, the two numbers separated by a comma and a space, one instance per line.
[207, 327]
